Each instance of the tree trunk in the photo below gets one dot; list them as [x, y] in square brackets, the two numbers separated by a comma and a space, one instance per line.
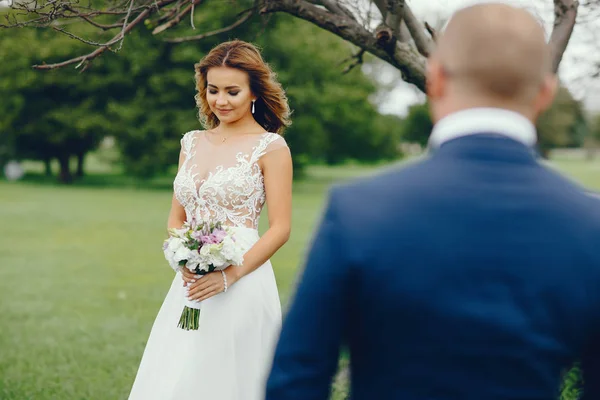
[65, 172]
[80, 164]
[48, 166]
[545, 153]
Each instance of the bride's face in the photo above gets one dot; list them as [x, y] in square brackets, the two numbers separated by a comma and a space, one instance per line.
[228, 93]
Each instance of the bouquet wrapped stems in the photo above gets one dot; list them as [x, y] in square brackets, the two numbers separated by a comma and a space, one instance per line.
[190, 316]
[202, 248]
[190, 319]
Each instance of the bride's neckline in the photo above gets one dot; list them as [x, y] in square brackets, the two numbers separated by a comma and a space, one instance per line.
[216, 139]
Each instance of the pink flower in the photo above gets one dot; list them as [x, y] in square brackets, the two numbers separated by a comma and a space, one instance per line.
[215, 237]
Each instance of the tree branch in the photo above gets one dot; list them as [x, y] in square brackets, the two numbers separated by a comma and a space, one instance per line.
[88, 57]
[245, 16]
[391, 15]
[335, 7]
[431, 31]
[417, 31]
[357, 59]
[565, 15]
[172, 22]
[403, 56]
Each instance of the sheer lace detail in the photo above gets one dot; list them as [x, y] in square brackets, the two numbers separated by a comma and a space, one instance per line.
[224, 183]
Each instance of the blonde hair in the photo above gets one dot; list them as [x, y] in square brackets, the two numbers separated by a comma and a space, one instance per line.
[272, 111]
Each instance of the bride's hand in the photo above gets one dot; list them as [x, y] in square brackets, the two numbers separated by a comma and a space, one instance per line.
[188, 276]
[211, 284]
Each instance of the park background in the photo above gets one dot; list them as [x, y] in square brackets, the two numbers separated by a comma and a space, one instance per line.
[81, 268]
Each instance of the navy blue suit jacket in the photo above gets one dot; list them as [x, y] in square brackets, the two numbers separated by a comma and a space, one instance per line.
[474, 274]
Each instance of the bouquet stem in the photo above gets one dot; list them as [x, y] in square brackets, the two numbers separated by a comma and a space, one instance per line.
[190, 319]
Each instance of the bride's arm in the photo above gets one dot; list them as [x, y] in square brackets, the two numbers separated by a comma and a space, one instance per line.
[278, 175]
[177, 213]
[277, 171]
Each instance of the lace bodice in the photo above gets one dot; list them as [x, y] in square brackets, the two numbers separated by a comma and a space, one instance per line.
[223, 182]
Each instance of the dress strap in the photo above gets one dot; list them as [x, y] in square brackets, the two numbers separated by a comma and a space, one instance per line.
[264, 142]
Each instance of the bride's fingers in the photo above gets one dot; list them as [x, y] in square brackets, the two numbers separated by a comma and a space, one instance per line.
[203, 281]
[201, 285]
[187, 280]
[209, 295]
[202, 293]
[187, 274]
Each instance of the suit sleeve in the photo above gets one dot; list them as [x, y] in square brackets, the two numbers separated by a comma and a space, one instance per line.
[591, 371]
[307, 354]
[590, 358]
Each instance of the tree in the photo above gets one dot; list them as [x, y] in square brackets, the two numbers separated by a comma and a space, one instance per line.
[46, 116]
[400, 38]
[417, 125]
[333, 120]
[563, 124]
[593, 141]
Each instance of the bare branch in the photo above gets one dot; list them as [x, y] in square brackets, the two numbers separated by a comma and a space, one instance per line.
[391, 14]
[87, 58]
[82, 40]
[172, 22]
[101, 26]
[335, 7]
[245, 16]
[431, 31]
[357, 59]
[125, 24]
[565, 15]
[417, 31]
[402, 56]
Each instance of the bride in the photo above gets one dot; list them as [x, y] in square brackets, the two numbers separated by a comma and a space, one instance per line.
[226, 173]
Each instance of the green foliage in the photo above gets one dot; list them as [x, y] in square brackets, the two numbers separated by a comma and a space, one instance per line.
[595, 128]
[152, 103]
[563, 124]
[572, 386]
[333, 119]
[417, 124]
[54, 114]
[144, 95]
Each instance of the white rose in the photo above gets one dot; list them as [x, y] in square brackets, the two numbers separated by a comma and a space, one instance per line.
[205, 250]
[175, 244]
[228, 249]
[182, 253]
[193, 261]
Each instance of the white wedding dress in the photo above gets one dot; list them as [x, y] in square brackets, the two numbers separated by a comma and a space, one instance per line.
[229, 356]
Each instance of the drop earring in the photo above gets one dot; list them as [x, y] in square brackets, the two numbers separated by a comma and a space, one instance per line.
[253, 106]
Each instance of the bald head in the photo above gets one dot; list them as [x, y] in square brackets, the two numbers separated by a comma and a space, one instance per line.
[494, 50]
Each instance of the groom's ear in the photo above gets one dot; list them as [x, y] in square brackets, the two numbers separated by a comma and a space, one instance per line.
[546, 94]
[436, 79]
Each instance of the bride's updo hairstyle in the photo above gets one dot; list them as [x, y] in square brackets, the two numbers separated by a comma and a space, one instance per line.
[272, 111]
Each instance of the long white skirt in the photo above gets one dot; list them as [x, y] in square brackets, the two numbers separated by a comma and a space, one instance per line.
[228, 357]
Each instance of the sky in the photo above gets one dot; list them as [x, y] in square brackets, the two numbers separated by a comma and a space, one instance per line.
[580, 60]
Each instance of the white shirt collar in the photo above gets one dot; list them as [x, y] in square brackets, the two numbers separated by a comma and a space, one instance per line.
[483, 120]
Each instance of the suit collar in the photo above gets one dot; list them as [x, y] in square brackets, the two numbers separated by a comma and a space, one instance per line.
[474, 121]
[487, 147]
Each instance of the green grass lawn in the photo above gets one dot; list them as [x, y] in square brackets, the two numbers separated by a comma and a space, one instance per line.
[82, 277]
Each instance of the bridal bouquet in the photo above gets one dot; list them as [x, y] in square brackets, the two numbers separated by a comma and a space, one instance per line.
[202, 248]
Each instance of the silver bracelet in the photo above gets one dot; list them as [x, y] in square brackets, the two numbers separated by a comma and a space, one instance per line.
[224, 281]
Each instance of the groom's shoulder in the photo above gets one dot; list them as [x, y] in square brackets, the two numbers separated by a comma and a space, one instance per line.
[383, 180]
[594, 195]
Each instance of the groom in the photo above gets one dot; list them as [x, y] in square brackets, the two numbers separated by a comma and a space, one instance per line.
[474, 274]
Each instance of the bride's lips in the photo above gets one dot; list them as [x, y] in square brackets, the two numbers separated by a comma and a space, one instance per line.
[223, 111]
